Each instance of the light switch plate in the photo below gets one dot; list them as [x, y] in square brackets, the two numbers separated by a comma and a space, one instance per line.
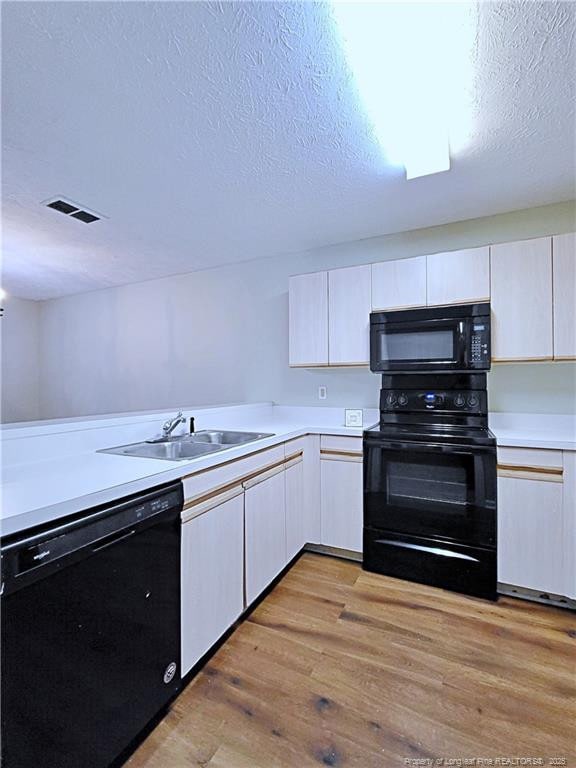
[353, 417]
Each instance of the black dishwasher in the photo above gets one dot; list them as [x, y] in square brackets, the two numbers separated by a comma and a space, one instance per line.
[90, 648]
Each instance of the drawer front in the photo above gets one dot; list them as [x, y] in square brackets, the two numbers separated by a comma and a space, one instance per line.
[450, 566]
[209, 480]
[295, 447]
[336, 446]
[531, 464]
[534, 457]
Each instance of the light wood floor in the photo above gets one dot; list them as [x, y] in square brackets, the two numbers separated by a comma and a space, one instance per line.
[340, 667]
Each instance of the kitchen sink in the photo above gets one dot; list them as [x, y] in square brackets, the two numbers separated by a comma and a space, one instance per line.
[187, 446]
[227, 438]
[171, 450]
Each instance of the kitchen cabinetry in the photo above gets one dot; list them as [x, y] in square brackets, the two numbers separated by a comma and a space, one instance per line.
[349, 315]
[532, 547]
[341, 492]
[265, 530]
[399, 284]
[521, 298]
[564, 281]
[308, 319]
[295, 507]
[458, 277]
[212, 570]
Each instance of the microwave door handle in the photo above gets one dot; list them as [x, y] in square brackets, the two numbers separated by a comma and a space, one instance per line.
[462, 356]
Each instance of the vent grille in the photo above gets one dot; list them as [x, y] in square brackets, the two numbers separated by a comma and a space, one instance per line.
[73, 210]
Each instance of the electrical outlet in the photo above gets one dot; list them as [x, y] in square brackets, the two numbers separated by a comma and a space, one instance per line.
[353, 417]
[321, 393]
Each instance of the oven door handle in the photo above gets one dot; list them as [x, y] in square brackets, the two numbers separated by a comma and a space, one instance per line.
[432, 550]
[423, 447]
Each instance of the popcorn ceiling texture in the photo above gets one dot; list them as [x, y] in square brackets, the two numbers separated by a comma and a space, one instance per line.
[215, 133]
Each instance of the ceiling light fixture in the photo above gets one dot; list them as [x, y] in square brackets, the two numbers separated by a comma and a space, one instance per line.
[413, 69]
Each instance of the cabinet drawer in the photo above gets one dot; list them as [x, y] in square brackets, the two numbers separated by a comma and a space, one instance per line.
[336, 448]
[296, 446]
[530, 464]
[207, 481]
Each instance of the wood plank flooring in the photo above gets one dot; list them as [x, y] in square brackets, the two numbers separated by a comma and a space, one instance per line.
[340, 667]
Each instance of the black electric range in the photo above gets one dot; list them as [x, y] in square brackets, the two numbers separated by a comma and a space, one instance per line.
[430, 484]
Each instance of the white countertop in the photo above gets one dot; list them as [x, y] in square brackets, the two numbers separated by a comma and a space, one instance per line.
[51, 469]
[534, 430]
[36, 489]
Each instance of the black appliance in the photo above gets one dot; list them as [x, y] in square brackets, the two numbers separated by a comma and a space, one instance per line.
[431, 340]
[430, 484]
[90, 631]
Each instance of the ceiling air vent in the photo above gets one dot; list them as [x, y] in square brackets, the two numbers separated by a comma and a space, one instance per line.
[72, 209]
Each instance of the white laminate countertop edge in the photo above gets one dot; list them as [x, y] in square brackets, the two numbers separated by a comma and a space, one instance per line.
[77, 478]
[33, 494]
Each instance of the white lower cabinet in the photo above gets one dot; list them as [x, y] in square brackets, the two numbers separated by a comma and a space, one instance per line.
[531, 526]
[341, 502]
[295, 509]
[212, 576]
[265, 531]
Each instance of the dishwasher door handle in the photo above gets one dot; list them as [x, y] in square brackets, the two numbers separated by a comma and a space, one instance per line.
[114, 538]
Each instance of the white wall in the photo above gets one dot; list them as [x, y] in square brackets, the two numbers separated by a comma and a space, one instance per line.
[221, 335]
[20, 352]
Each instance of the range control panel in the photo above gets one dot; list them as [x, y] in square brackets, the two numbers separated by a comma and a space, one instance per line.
[464, 401]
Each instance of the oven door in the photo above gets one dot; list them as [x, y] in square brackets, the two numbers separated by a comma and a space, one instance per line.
[433, 491]
[423, 345]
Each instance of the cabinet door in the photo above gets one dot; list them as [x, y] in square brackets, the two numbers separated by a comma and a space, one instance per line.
[521, 296]
[530, 534]
[564, 271]
[308, 319]
[312, 522]
[341, 503]
[458, 277]
[295, 509]
[265, 533]
[212, 570]
[569, 502]
[398, 284]
[349, 315]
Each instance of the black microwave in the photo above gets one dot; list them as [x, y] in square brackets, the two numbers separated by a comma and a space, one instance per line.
[431, 339]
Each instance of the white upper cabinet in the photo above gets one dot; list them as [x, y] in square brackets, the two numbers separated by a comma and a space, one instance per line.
[308, 310]
[458, 277]
[564, 271]
[521, 297]
[349, 315]
[399, 284]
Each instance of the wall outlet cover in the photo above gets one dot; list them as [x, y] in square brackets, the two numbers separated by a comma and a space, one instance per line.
[353, 417]
[322, 393]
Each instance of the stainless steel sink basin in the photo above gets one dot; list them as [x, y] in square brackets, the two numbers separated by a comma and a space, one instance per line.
[188, 446]
[172, 450]
[227, 438]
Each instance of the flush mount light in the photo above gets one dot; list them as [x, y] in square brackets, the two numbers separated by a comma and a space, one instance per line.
[413, 69]
[73, 210]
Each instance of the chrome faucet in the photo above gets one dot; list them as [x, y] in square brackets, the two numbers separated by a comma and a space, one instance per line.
[170, 425]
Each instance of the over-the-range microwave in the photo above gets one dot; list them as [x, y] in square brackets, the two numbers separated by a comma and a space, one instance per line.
[431, 339]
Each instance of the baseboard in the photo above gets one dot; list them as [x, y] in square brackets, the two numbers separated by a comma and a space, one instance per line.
[537, 596]
[345, 554]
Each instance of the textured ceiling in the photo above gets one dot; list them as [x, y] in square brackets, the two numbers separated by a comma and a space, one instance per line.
[212, 133]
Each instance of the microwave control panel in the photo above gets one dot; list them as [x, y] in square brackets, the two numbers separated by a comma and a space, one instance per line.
[480, 344]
